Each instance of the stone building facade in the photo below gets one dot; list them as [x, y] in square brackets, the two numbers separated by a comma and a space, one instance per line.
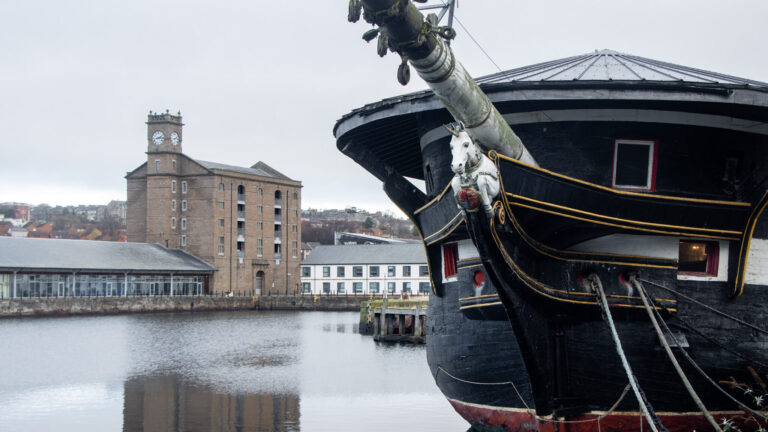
[245, 221]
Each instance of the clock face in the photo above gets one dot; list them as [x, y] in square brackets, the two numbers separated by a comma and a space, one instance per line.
[158, 137]
[174, 138]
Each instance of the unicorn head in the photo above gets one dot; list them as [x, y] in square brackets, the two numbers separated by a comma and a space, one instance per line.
[464, 153]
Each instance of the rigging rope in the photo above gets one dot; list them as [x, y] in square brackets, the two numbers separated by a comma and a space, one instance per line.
[701, 371]
[663, 341]
[653, 419]
[721, 313]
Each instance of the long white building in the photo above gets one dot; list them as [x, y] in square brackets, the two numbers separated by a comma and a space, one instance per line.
[366, 269]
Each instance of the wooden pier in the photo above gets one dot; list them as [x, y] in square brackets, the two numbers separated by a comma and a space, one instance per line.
[396, 320]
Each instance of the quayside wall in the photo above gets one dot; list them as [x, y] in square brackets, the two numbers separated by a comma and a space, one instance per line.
[311, 302]
[62, 306]
[65, 306]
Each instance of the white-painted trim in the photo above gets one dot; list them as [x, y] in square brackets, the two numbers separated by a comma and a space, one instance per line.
[757, 262]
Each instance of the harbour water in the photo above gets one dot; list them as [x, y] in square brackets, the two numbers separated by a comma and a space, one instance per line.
[214, 371]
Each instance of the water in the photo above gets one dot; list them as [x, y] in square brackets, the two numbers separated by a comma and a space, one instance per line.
[218, 371]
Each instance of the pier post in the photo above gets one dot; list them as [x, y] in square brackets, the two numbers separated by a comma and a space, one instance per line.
[401, 324]
[417, 322]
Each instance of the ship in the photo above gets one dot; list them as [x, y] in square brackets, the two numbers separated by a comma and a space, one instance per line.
[615, 279]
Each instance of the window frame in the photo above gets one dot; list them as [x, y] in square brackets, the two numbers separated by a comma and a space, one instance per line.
[357, 271]
[306, 271]
[653, 153]
[713, 259]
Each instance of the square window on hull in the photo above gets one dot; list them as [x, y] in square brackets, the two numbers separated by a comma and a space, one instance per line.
[698, 258]
[634, 165]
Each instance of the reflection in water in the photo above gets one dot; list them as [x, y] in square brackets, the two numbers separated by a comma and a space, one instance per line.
[166, 403]
[218, 371]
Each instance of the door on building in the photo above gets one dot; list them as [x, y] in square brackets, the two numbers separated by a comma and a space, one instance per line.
[259, 283]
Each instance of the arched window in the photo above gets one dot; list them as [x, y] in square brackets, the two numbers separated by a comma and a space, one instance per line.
[277, 194]
[261, 191]
[241, 189]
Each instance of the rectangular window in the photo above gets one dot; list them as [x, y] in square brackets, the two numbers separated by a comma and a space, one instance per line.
[423, 271]
[183, 205]
[221, 223]
[173, 205]
[326, 287]
[173, 186]
[221, 245]
[173, 163]
[391, 287]
[183, 240]
[173, 222]
[294, 228]
[295, 213]
[183, 186]
[407, 287]
[634, 165]
[326, 272]
[221, 204]
[306, 288]
[423, 287]
[406, 271]
[340, 289]
[183, 223]
[698, 258]
[391, 271]
[157, 165]
[259, 209]
[340, 271]
[357, 271]
[373, 271]
[306, 271]
[259, 225]
[295, 249]
[357, 287]
[373, 287]
[450, 256]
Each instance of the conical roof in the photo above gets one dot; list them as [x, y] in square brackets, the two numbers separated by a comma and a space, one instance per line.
[609, 65]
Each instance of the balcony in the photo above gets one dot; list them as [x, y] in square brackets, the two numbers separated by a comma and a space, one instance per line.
[241, 231]
[278, 233]
[241, 215]
[240, 254]
[278, 219]
[241, 198]
[278, 255]
[278, 203]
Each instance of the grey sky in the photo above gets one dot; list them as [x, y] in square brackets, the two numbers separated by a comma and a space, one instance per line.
[258, 80]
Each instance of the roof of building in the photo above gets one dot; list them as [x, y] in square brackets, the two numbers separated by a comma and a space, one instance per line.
[83, 255]
[340, 237]
[259, 169]
[609, 65]
[408, 253]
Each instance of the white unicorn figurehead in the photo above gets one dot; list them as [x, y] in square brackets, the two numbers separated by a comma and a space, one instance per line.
[464, 153]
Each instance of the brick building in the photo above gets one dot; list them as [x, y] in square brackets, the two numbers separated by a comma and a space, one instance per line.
[244, 221]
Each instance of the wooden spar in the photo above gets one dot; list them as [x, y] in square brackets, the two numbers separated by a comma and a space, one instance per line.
[405, 31]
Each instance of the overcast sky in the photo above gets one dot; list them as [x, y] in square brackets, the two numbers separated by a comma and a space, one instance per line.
[257, 80]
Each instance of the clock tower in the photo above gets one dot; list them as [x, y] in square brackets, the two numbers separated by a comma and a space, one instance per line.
[164, 132]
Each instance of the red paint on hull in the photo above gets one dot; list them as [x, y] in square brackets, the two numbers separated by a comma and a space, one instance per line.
[487, 418]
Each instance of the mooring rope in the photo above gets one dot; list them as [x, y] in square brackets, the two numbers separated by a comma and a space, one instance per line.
[701, 371]
[671, 355]
[685, 325]
[721, 313]
[653, 419]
